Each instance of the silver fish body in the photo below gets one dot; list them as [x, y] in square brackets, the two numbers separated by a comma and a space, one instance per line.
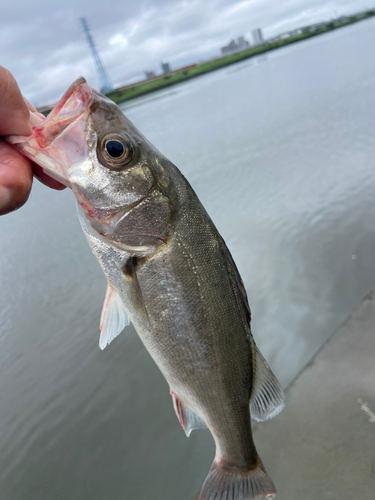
[172, 272]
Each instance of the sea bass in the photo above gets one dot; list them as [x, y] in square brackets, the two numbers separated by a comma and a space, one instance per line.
[170, 273]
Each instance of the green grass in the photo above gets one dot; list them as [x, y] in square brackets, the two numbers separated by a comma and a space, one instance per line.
[174, 78]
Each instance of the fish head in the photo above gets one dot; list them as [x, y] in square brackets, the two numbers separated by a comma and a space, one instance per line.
[88, 144]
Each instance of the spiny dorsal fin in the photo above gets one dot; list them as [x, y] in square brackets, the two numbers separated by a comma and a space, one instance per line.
[188, 419]
[114, 317]
[267, 398]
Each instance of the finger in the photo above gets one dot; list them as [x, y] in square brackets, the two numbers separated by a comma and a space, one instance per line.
[45, 179]
[13, 110]
[15, 178]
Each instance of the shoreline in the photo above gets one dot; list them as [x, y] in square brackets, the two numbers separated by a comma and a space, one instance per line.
[132, 91]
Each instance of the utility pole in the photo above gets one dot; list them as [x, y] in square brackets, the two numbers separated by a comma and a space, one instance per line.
[105, 83]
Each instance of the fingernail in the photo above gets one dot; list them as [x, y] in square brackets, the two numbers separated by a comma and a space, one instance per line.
[5, 199]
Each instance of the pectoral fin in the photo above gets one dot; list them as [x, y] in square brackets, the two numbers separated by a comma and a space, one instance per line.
[188, 419]
[267, 398]
[113, 319]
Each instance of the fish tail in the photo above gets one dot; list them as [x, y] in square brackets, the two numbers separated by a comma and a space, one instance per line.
[231, 483]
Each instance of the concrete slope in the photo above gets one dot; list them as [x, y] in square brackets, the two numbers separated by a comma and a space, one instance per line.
[322, 446]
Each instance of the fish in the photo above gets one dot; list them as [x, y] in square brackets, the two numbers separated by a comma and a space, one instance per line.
[170, 273]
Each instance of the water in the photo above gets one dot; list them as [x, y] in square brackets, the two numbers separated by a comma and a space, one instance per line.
[281, 151]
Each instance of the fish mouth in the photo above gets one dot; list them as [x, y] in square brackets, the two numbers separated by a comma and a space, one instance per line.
[103, 225]
[136, 248]
[106, 228]
[58, 141]
[71, 106]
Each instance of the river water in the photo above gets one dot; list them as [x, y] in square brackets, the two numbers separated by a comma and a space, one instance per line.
[281, 151]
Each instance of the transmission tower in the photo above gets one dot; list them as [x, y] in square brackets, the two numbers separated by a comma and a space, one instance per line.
[105, 83]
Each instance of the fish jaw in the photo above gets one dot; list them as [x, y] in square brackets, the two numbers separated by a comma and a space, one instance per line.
[58, 142]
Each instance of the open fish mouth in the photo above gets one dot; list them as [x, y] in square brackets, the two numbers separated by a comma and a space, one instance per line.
[70, 107]
[58, 141]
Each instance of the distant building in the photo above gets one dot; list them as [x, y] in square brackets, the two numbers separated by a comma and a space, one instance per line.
[257, 37]
[165, 68]
[318, 26]
[242, 43]
[297, 31]
[340, 20]
[150, 74]
[234, 46]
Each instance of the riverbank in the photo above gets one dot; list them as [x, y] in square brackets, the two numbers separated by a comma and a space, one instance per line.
[138, 89]
[141, 88]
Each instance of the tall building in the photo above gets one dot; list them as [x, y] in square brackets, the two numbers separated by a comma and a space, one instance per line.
[242, 43]
[234, 46]
[166, 68]
[257, 37]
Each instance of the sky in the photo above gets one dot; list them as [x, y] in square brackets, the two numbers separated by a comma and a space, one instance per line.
[43, 45]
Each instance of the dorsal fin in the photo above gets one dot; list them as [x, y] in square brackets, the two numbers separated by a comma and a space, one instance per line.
[114, 317]
[267, 398]
[237, 283]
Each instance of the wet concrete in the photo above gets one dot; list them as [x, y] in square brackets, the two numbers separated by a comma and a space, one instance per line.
[322, 446]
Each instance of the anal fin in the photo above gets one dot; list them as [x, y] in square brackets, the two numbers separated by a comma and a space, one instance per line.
[114, 317]
[267, 398]
[188, 419]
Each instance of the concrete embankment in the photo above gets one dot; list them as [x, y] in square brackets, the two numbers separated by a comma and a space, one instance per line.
[322, 446]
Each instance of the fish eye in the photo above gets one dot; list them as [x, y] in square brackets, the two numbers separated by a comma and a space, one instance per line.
[115, 150]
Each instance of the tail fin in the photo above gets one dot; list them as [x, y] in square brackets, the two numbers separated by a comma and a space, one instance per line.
[225, 483]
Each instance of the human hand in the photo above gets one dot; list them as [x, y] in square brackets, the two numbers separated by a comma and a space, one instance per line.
[16, 171]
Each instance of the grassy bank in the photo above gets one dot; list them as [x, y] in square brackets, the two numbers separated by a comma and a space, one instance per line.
[145, 87]
[130, 92]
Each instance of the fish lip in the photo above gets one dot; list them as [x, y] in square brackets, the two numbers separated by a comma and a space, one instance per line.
[89, 208]
[94, 213]
[98, 225]
[58, 141]
[75, 101]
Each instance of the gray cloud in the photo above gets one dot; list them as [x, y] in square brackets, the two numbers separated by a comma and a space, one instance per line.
[44, 47]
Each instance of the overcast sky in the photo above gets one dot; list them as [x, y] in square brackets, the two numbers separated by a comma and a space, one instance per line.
[42, 43]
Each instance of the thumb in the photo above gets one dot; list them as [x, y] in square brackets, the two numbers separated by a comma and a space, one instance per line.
[13, 110]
